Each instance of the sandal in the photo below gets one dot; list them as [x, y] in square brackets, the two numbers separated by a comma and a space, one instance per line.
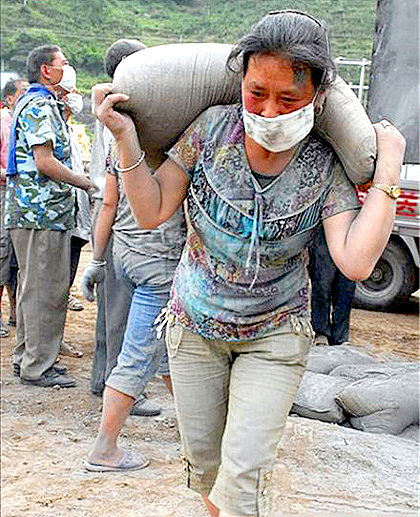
[3, 331]
[69, 350]
[129, 461]
[73, 304]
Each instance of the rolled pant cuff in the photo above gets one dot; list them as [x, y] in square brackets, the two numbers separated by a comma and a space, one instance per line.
[118, 384]
[234, 505]
[237, 502]
[200, 483]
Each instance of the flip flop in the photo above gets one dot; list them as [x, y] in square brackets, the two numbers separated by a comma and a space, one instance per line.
[3, 331]
[69, 350]
[128, 462]
[74, 304]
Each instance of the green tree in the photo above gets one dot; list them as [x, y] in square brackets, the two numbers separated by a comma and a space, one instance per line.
[19, 46]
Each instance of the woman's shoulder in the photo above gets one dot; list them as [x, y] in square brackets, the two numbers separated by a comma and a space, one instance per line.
[221, 122]
[314, 149]
[313, 166]
[319, 143]
[222, 112]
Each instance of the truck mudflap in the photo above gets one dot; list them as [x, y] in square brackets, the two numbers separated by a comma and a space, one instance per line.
[413, 247]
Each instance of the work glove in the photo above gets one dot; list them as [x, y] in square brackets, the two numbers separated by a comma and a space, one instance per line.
[94, 273]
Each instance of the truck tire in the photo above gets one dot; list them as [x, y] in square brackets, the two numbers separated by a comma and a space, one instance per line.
[392, 281]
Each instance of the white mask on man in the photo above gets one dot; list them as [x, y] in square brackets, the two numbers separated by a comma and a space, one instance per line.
[68, 81]
[282, 132]
[74, 102]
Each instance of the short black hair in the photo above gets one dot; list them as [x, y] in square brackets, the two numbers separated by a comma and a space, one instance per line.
[37, 57]
[294, 35]
[118, 51]
[11, 87]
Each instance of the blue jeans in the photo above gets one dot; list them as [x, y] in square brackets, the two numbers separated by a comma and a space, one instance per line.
[113, 298]
[142, 354]
[332, 293]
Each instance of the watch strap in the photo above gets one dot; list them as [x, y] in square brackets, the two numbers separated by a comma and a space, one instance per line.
[393, 191]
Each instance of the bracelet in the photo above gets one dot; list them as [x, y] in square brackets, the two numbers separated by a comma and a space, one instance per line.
[128, 169]
[98, 262]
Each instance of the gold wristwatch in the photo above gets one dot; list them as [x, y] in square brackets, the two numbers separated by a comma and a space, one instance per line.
[393, 191]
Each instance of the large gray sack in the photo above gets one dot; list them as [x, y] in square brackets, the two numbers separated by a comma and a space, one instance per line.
[412, 432]
[170, 85]
[382, 404]
[315, 397]
[355, 372]
[324, 359]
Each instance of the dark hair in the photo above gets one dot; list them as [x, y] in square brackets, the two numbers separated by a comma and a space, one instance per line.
[293, 35]
[118, 51]
[37, 57]
[11, 87]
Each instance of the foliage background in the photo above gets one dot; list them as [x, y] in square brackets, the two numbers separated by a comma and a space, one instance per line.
[85, 28]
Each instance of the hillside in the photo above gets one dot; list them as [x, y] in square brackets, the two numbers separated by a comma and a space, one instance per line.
[85, 28]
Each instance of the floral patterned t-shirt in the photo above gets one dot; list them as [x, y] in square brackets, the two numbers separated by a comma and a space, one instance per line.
[243, 270]
[33, 200]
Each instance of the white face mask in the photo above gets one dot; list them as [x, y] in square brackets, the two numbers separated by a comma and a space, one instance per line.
[282, 132]
[74, 102]
[68, 81]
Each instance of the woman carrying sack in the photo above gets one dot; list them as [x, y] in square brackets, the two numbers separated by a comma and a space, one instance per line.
[257, 181]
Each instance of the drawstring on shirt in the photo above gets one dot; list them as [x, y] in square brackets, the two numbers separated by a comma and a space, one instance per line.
[161, 321]
[255, 238]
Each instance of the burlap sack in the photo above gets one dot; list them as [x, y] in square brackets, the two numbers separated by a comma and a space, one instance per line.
[170, 85]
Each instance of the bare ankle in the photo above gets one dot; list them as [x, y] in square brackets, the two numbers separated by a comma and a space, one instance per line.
[168, 383]
[211, 508]
[105, 457]
[105, 449]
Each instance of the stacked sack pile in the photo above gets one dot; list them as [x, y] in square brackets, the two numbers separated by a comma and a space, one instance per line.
[347, 386]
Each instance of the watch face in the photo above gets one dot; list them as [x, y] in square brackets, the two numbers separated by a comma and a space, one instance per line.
[395, 192]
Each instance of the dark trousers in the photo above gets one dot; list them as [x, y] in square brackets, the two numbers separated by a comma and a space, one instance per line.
[43, 258]
[332, 293]
[76, 245]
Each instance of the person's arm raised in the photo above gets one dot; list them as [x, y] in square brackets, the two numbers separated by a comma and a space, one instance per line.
[357, 242]
[153, 197]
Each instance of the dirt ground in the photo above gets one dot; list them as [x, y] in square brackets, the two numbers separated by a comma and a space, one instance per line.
[322, 469]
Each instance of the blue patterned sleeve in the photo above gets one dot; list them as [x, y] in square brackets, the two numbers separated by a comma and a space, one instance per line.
[342, 195]
[186, 151]
[38, 121]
